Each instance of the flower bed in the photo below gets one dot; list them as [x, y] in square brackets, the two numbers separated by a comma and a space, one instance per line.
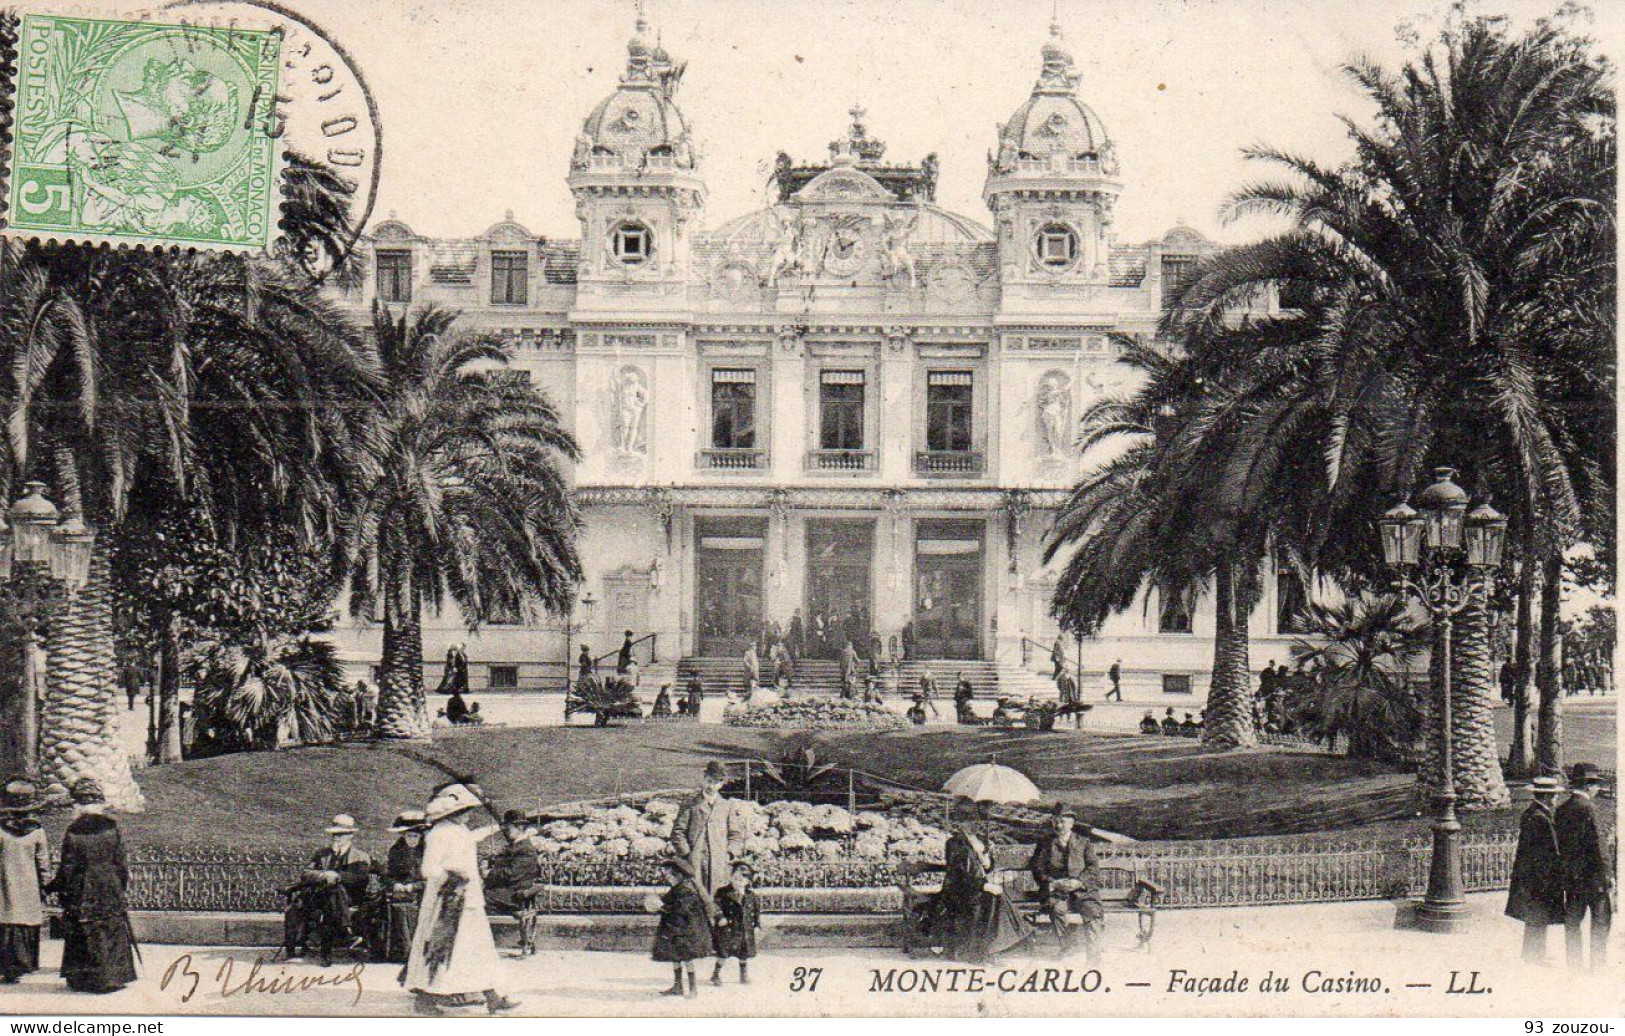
[811, 713]
[790, 844]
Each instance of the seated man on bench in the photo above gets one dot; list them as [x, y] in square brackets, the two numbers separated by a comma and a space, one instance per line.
[1068, 878]
[321, 906]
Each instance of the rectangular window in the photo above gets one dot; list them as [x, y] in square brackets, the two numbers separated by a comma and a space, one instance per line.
[1176, 616]
[733, 409]
[1177, 273]
[504, 678]
[510, 278]
[1176, 683]
[948, 411]
[395, 276]
[1291, 602]
[840, 410]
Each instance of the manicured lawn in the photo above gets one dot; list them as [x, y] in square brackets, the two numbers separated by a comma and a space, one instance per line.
[1144, 787]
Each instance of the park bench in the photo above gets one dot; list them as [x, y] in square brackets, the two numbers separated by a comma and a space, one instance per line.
[1122, 891]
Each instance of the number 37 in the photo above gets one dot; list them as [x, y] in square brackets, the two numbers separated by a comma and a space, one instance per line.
[805, 980]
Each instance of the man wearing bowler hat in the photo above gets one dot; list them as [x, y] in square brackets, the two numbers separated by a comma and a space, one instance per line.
[1588, 877]
[708, 832]
[1536, 893]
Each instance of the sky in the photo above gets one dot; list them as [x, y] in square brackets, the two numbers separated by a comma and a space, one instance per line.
[481, 100]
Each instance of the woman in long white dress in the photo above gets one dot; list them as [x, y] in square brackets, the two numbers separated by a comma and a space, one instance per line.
[454, 957]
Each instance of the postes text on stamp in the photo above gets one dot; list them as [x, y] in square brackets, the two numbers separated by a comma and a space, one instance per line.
[132, 132]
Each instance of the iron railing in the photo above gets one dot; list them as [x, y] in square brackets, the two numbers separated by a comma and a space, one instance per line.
[1238, 872]
[645, 652]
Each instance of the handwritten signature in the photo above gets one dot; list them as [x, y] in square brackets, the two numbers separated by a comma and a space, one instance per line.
[187, 978]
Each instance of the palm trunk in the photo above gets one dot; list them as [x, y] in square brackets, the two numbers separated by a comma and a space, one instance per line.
[1229, 721]
[1548, 671]
[402, 708]
[1473, 693]
[80, 719]
[1518, 756]
[169, 692]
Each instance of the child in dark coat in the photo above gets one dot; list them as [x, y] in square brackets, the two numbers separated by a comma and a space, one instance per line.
[684, 934]
[739, 916]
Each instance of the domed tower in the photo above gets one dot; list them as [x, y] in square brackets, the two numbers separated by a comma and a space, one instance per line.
[635, 177]
[1052, 185]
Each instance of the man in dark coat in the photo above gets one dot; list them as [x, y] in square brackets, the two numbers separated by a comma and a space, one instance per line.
[90, 883]
[1536, 893]
[1115, 675]
[338, 879]
[1170, 726]
[1588, 878]
[1068, 878]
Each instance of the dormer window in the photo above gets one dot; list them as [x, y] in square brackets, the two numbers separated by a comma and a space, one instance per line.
[1057, 246]
[631, 244]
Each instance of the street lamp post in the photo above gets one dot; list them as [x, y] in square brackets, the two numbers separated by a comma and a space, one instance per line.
[1461, 550]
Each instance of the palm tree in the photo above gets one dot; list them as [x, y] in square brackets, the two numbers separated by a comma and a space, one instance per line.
[468, 498]
[226, 379]
[1362, 651]
[1460, 270]
[254, 690]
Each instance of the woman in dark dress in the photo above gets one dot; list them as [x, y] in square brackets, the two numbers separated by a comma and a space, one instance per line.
[971, 919]
[97, 953]
[684, 934]
[397, 916]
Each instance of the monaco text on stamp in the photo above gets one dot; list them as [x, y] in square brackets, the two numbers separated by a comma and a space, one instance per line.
[139, 133]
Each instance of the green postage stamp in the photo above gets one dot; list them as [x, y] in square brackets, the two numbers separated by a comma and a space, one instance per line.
[132, 132]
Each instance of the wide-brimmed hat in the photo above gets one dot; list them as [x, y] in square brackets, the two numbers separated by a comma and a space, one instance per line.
[408, 820]
[20, 797]
[1584, 773]
[716, 771]
[343, 824]
[450, 800]
[87, 791]
[1545, 786]
[1060, 809]
[514, 816]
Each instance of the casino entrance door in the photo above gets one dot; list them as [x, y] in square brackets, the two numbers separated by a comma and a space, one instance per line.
[948, 589]
[840, 566]
[727, 584]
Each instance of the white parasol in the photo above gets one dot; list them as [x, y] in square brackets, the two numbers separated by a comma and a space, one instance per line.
[991, 783]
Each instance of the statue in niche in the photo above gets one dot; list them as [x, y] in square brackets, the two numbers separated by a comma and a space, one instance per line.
[631, 410]
[1054, 405]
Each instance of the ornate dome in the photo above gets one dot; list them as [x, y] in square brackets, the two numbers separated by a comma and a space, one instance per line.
[640, 120]
[1053, 121]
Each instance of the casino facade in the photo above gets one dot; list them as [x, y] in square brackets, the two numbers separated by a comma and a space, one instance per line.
[850, 403]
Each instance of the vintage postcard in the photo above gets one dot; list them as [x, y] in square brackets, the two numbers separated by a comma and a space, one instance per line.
[707, 508]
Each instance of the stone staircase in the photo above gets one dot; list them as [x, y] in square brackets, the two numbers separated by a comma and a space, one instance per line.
[822, 676]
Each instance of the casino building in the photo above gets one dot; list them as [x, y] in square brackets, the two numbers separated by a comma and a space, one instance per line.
[850, 403]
